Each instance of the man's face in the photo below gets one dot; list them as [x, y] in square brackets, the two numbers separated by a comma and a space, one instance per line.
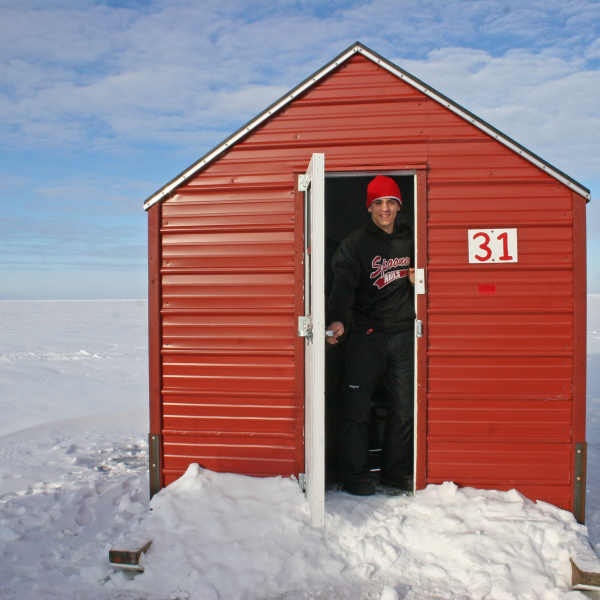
[383, 212]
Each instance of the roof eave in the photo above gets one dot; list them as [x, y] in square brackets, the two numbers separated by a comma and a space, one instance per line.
[249, 126]
[205, 160]
[479, 123]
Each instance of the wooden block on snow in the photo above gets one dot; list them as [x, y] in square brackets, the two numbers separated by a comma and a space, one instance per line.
[128, 559]
[584, 580]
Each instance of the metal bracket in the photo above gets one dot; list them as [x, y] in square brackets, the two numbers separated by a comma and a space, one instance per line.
[305, 327]
[154, 448]
[579, 487]
[302, 481]
[303, 183]
[420, 281]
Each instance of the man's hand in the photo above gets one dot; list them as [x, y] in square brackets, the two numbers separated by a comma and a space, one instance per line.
[411, 276]
[338, 330]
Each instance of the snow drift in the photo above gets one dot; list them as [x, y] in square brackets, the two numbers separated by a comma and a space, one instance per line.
[224, 536]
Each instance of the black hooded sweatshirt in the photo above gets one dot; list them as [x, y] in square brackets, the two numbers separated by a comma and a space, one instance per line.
[371, 276]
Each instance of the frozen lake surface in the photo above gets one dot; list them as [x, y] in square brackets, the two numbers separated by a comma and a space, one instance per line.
[71, 358]
[70, 489]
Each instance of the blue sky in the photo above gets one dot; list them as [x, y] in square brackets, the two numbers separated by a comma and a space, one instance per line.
[101, 103]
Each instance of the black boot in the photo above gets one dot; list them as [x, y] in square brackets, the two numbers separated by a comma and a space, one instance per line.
[400, 483]
[359, 487]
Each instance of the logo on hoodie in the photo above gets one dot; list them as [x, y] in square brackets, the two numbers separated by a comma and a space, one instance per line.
[382, 272]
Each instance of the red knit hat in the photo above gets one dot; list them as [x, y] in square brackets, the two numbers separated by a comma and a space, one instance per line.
[383, 187]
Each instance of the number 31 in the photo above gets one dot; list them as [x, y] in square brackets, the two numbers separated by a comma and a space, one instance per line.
[503, 237]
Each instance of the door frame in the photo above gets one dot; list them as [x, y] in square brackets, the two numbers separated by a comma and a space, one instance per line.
[420, 231]
[421, 253]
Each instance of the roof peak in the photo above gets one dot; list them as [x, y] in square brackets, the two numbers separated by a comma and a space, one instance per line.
[360, 49]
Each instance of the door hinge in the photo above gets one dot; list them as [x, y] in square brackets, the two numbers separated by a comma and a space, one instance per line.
[305, 327]
[419, 328]
[302, 481]
[303, 183]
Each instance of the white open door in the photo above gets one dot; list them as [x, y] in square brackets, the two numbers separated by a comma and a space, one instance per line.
[313, 327]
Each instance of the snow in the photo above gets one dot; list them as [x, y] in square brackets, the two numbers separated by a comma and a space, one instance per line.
[72, 489]
[593, 421]
[71, 358]
[68, 489]
[240, 537]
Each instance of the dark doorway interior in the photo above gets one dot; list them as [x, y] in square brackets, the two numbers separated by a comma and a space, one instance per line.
[345, 211]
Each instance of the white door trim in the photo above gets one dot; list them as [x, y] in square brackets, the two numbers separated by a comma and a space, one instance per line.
[314, 350]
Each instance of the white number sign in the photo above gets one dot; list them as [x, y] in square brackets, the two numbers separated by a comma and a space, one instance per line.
[493, 246]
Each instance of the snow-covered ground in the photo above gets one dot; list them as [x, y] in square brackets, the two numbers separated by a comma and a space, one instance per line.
[71, 358]
[593, 421]
[70, 490]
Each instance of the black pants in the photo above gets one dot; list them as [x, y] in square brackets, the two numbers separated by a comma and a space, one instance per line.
[373, 358]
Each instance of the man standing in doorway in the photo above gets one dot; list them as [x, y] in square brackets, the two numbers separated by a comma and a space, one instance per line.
[373, 276]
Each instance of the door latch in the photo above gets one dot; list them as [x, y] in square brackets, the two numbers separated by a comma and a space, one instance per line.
[419, 328]
[305, 327]
[420, 281]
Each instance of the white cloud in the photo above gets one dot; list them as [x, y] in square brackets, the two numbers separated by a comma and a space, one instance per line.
[593, 52]
[11, 181]
[90, 195]
[547, 103]
[186, 74]
[86, 73]
[124, 79]
[92, 222]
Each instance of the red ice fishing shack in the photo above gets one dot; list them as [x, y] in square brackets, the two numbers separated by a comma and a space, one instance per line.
[238, 250]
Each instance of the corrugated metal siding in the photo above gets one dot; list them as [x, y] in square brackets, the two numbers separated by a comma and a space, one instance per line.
[499, 366]
[228, 285]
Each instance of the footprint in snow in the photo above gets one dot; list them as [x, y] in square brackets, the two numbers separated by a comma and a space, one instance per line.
[85, 516]
[31, 522]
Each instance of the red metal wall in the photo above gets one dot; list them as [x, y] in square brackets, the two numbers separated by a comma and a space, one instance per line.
[500, 376]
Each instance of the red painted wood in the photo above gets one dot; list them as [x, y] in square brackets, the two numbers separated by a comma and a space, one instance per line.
[232, 289]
